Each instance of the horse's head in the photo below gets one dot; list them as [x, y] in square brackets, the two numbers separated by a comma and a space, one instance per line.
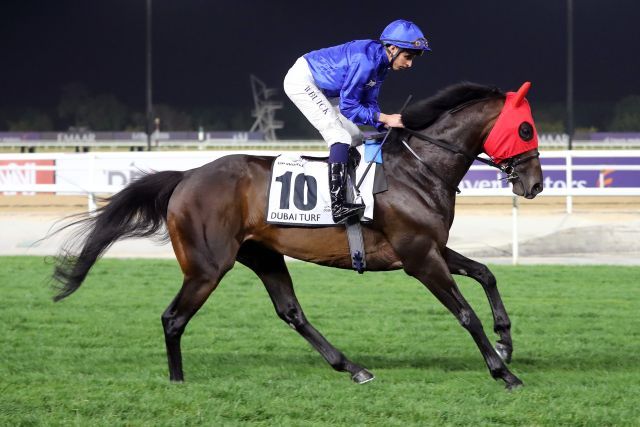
[512, 143]
[467, 119]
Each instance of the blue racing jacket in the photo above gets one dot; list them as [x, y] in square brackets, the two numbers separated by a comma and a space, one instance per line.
[353, 71]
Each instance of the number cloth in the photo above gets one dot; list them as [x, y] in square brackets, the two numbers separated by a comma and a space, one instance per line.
[299, 191]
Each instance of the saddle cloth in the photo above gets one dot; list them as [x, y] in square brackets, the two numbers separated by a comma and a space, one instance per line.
[299, 190]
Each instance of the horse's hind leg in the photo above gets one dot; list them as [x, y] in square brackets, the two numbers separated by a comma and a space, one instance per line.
[272, 270]
[194, 292]
[202, 272]
[461, 265]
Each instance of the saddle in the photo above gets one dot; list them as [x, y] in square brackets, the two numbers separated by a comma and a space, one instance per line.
[371, 143]
[298, 196]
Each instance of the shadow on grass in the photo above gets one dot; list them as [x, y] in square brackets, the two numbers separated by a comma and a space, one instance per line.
[578, 363]
[473, 362]
[233, 362]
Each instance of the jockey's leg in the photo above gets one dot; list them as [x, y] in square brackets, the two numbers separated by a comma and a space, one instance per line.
[337, 131]
[340, 209]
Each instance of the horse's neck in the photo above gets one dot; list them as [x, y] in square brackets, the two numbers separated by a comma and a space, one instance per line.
[442, 161]
[433, 178]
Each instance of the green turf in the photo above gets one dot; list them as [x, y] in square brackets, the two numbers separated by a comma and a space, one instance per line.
[98, 358]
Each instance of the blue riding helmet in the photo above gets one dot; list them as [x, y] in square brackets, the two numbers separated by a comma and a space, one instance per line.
[405, 35]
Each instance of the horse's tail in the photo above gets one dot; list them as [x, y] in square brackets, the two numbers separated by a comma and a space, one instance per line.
[139, 210]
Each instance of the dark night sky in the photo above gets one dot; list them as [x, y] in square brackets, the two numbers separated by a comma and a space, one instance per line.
[204, 50]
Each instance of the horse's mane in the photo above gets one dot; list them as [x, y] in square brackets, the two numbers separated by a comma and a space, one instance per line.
[421, 114]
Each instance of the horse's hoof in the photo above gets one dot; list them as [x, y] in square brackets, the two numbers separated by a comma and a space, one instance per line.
[362, 377]
[514, 384]
[504, 352]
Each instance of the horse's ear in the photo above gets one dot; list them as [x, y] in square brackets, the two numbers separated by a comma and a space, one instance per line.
[522, 92]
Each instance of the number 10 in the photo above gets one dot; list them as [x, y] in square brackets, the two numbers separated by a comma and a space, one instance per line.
[304, 187]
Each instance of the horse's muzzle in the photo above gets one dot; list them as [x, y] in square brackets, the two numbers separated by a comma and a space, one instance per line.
[528, 192]
[535, 190]
[525, 174]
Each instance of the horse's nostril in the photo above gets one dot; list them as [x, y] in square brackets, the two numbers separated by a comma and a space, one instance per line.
[537, 188]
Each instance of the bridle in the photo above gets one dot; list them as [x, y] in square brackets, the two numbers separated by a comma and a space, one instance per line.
[508, 167]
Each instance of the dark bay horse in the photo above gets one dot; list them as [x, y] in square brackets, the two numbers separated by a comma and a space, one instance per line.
[215, 215]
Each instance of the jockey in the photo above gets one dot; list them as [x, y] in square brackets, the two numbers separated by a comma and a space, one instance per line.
[337, 88]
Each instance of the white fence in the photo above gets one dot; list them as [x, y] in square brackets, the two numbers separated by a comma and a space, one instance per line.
[106, 173]
[568, 174]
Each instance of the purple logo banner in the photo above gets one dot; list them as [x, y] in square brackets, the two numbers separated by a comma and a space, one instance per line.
[605, 171]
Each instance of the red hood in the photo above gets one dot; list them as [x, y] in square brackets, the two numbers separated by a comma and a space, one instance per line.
[511, 135]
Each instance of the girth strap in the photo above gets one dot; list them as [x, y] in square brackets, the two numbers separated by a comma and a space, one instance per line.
[354, 237]
[356, 246]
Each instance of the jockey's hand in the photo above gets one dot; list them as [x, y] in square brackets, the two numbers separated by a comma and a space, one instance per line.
[391, 120]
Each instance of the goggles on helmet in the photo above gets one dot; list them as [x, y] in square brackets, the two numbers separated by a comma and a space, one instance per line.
[421, 43]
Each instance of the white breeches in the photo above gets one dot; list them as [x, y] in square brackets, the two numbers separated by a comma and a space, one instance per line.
[323, 113]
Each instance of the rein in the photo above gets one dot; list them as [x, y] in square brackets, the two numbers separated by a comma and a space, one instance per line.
[508, 168]
[425, 164]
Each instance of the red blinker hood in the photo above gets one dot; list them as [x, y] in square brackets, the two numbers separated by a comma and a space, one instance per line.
[510, 135]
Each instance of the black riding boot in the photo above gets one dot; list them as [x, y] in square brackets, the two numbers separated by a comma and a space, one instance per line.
[340, 209]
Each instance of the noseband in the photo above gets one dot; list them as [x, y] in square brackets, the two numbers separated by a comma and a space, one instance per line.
[508, 167]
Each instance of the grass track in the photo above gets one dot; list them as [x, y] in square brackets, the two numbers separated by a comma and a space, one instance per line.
[98, 357]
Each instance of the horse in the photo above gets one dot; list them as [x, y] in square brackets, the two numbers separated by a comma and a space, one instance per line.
[215, 215]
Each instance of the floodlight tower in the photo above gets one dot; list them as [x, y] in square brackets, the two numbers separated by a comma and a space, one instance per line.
[264, 109]
[149, 101]
[570, 123]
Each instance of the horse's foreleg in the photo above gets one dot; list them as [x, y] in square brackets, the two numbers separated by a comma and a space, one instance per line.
[272, 270]
[461, 265]
[434, 274]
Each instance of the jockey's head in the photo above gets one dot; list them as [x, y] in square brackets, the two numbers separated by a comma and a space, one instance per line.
[403, 41]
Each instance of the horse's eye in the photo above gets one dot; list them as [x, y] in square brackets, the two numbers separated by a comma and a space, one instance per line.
[525, 131]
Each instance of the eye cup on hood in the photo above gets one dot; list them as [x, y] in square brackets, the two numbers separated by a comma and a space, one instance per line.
[525, 130]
